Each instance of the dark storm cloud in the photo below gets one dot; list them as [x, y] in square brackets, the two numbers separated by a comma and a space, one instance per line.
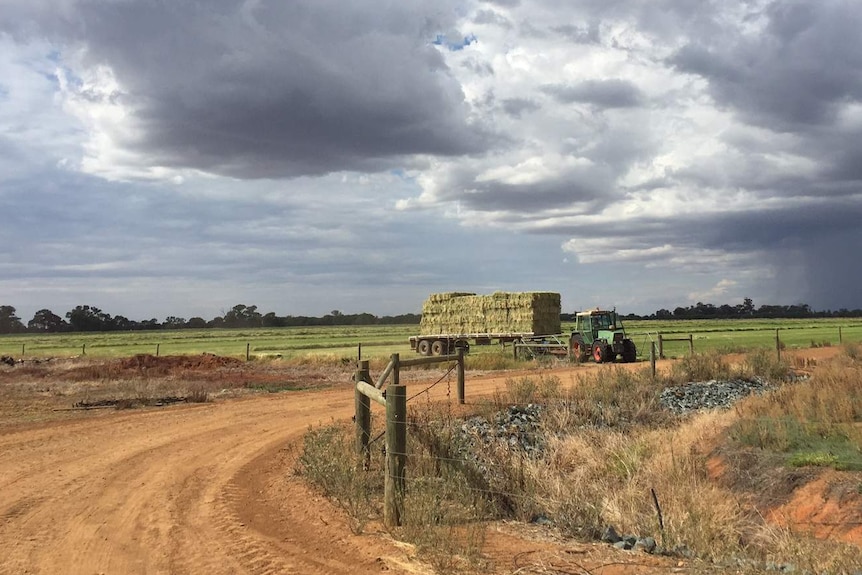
[794, 74]
[615, 93]
[270, 88]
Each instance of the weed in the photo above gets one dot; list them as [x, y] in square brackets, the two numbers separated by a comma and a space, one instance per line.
[764, 364]
[197, 394]
[330, 461]
[700, 367]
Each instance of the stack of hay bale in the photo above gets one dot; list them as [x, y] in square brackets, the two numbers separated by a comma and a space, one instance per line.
[501, 312]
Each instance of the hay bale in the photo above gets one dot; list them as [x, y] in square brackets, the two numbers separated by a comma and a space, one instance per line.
[500, 312]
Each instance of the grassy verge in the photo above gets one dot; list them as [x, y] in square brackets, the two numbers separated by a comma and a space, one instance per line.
[606, 447]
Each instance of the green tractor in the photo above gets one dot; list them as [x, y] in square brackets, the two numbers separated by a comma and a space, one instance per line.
[600, 334]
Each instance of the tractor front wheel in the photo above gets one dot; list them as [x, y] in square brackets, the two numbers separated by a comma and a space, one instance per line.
[630, 352]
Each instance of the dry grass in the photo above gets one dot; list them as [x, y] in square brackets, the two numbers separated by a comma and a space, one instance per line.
[815, 422]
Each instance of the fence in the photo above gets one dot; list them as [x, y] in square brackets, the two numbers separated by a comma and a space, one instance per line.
[394, 400]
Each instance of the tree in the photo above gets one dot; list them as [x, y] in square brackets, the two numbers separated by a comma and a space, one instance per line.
[196, 323]
[45, 320]
[9, 322]
[87, 318]
[243, 316]
[173, 322]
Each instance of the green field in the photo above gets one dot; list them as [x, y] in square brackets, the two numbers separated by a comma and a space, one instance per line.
[382, 341]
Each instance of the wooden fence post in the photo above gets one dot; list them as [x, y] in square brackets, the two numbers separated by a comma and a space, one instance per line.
[660, 347]
[157, 349]
[777, 345]
[363, 411]
[652, 358]
[840, 339]
[396, 447]
[83, 349]
[247, 350]
[690, 344]
[22, 345]
[461, 375]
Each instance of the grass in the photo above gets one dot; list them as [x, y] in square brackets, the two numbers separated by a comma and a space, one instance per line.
[608, 446]
[292, 343]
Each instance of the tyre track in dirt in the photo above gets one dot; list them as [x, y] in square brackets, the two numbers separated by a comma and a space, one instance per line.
[185, 489]
[148, 492]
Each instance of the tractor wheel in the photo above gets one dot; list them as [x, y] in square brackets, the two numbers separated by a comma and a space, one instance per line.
[439, 347]
[630, 352]
[599, 352]
[579, 350]
[424, 347]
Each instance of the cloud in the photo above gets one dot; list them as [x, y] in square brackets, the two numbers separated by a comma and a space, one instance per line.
[614, 93]
[259, 89]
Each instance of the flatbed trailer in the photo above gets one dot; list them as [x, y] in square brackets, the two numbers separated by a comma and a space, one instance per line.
[444, 343]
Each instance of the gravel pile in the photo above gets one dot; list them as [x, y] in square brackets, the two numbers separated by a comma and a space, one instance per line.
[516, 428]
[712, 394]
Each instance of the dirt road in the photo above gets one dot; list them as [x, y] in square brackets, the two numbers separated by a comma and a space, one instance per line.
[169, 491]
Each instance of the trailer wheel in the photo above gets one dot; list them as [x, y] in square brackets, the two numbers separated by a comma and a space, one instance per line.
[424, 347]
[439, 347]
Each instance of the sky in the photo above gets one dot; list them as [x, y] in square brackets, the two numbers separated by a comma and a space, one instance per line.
[178, 158]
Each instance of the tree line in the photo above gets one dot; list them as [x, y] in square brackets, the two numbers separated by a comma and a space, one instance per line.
[91, 318]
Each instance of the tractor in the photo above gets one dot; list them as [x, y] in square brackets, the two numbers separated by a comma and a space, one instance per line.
[599, 334]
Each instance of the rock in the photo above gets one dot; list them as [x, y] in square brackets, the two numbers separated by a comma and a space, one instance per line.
[683, 551]
[623, 544]
[646, 544]
[541, 519]
[610, 535]
[7, 360]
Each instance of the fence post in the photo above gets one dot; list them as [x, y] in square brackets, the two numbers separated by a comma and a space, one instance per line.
[652, 358]
[359, 353]
[690, 344]
[247, 350]
[363, 411]
[840, 339]
[777, 345]
[83, 349]
[396, 447]
[157, 349]
[660, 347]
[461, 375]
[22, 345]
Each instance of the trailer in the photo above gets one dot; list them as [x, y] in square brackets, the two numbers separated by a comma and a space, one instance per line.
[445, 343]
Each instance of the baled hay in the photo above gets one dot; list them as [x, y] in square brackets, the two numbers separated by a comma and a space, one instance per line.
[501, 312]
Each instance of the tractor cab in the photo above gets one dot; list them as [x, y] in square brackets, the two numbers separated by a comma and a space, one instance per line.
[597, 324]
